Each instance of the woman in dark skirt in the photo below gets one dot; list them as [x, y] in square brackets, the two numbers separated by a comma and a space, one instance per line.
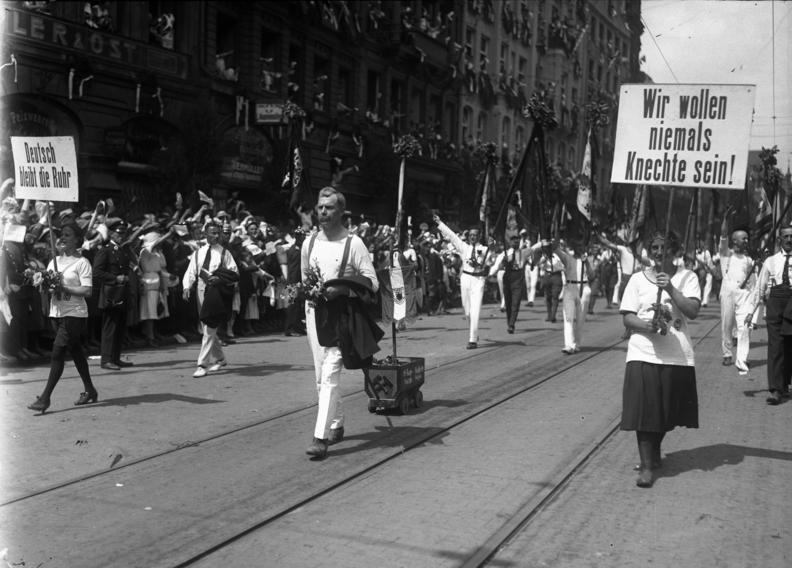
[660, 378]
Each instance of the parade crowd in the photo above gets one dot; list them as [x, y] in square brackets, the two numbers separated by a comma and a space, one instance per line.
[180, 274]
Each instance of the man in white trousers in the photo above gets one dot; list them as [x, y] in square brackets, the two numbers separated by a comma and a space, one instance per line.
[735, 294]
[473, 277]
[704, 258]
[332, 253]
[203, 263]
[531, 269]
[576, 295]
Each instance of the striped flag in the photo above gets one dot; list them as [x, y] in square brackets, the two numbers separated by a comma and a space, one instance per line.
[584, 182]
[397, 290]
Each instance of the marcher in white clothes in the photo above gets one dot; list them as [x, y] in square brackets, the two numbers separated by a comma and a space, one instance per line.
[531, 269]
[331, 253]
[735, 294]
[704, 258]
[473, 277]
[576, 295]
[200, 270]
[498, 272]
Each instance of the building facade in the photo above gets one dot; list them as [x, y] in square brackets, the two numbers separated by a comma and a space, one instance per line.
[165, 97]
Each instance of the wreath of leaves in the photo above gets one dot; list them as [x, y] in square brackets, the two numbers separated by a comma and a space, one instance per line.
[538, 110]
[292, 110]
[598, 113]
[407, 146]
[487, 153]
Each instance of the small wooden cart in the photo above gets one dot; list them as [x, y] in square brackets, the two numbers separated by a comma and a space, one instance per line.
[395, 383]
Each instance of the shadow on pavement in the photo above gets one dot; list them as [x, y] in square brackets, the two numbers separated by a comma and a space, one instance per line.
[709, 458]
[387, 437]
[261, 370]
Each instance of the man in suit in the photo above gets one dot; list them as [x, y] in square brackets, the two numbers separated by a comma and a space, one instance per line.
[513, 264]
[111, 269]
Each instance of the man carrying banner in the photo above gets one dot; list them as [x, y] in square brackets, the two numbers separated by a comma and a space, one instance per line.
[551, 269]
[512, 263]
[735, 295]
[775, 289]
[330, 254]
[473, 277]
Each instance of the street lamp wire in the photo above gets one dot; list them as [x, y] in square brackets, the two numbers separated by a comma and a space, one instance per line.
[661, 51]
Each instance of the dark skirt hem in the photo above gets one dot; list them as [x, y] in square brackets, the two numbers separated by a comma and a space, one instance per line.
[658, 398]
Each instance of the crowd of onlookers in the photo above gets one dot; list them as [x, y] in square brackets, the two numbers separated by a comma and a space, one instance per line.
[161, 245]
[267, 254]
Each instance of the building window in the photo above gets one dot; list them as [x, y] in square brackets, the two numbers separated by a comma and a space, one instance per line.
[504, 56]
[321, 81]
[506, 134]
[435, 111]
[470, 42]
[519, 139]
[484, 51]
[481, 127]
[467, 126]
[522, 69]
[270, 61]
[345, 86]
[417, 109]
[162, 22]
[374, 94]
[397, 103]
[449, 122]
[225, 57]
[294, 75]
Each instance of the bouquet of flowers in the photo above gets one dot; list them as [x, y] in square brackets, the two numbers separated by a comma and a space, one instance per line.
[47, 279]
[313, 285]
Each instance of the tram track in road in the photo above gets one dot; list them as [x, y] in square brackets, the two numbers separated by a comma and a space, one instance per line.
[490, 545]
[131, 462]
[196, 532]
[414, 443]
[529, 512]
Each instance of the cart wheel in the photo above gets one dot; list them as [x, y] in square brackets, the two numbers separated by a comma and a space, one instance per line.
[418, 399]
[372, 407]
[404, 405]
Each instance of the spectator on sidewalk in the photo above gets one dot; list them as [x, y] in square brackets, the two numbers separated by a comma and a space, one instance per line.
[659, 390]
[111, 267]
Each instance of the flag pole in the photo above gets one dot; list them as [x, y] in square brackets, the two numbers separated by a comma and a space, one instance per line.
[395, 242]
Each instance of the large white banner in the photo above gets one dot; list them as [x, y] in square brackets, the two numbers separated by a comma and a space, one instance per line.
[45, 168]
[683, 135]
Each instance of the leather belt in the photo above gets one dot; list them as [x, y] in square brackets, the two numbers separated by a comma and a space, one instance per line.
[577, 281]
[474, 273]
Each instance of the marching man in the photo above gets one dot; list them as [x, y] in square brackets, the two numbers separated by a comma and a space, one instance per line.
[735, 294]
[576, 295]
[474, 274]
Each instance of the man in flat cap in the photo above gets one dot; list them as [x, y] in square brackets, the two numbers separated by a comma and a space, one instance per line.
[111, 269]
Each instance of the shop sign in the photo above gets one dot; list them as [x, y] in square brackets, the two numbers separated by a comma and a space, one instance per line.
[269, 113]
[77, 38]
[246, 154]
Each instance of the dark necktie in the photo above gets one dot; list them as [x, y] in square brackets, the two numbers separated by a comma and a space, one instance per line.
[785, 273]
[472, 255]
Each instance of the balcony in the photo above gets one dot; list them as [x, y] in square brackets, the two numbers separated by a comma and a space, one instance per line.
[431, 51]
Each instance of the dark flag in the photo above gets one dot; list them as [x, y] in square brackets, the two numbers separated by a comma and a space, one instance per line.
[527, 195]
[296, 180]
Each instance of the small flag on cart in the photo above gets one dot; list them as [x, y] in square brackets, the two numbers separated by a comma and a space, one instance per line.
[397, 291]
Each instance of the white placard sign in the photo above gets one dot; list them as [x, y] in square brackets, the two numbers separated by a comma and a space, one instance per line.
[45, 167]
[683, 135]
